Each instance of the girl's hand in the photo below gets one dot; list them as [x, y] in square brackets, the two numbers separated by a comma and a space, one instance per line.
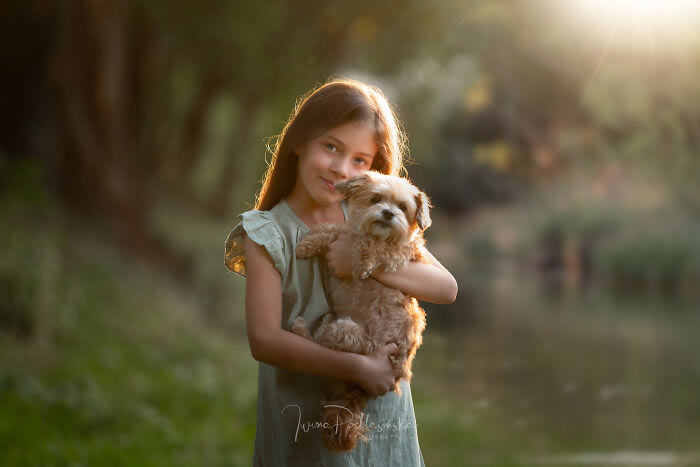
[340, 256]
[376, 375]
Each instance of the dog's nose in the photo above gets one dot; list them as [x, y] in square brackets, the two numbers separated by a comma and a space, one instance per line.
[388, 215]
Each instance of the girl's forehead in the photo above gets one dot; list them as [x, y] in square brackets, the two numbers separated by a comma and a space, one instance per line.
[353, 127]
[360, 134]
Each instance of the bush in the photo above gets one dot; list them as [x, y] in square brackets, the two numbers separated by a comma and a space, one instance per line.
[658, 262]
[28, 247]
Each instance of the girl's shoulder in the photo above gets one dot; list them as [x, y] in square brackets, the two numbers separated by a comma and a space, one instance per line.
[276, 230]
[262, 227]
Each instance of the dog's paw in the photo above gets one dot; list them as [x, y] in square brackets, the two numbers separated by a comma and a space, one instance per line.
[298, 323]
[364, 274]
[304, 250]
[392, 267]
[327, 318]
[299, 327]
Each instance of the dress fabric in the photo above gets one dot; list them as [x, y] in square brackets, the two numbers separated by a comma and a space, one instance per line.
[288, 412]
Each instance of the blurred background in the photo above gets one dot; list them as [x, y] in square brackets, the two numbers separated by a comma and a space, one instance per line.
[558, 140]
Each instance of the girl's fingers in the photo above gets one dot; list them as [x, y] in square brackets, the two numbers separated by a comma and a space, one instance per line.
[391, 348]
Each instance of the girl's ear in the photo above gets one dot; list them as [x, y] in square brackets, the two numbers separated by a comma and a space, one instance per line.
[423, 211]
[298, 148]
[351, 186]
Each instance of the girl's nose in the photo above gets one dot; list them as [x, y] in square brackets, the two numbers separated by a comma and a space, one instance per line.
[340, 168]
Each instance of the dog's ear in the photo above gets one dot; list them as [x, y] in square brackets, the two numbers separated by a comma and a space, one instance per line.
[423, 211]
[349, 187]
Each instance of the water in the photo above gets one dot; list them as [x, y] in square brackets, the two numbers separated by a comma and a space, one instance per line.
[583, 372]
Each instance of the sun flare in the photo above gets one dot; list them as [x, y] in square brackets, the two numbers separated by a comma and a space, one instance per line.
[625, 9]
[631, 21]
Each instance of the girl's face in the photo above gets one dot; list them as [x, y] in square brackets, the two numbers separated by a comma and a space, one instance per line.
[339, 153]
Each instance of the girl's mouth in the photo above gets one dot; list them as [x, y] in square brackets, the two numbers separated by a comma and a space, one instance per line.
[329, 184]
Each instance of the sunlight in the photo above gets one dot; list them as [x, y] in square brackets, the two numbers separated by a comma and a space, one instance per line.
[625, 9]
[637, 21]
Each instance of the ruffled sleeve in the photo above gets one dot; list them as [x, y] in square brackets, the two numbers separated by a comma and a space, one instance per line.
[263, 230]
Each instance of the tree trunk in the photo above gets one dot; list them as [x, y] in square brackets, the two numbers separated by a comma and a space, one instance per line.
[219, 201]
[93, 168]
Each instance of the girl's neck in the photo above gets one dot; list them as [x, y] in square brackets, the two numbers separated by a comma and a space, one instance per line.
[312, 213]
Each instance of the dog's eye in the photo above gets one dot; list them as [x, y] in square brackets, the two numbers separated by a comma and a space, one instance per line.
[402, 206]
[376, 198]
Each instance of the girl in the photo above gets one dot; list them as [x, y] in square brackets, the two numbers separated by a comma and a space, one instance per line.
[337, 131]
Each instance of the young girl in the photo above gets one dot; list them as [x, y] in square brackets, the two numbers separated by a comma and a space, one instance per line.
[339, 130]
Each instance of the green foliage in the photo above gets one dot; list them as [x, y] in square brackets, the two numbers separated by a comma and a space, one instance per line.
[115, 368]
[665, 262]
[566, 214]
[133, 380]
[29, 263]
[580, 222]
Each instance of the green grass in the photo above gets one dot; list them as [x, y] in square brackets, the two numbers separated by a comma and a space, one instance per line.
[129, 375]
[104, 362]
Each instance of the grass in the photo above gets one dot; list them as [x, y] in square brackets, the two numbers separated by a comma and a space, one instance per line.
[103, 362]
[131, 375]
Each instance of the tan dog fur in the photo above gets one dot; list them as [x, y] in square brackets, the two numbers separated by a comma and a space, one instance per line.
[387, 216]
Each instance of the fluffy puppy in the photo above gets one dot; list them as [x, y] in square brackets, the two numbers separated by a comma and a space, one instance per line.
[387, 216]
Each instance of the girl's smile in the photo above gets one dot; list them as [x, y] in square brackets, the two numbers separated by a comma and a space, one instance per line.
[329, 184]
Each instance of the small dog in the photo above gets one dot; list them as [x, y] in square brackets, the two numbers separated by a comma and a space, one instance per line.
[387, 216]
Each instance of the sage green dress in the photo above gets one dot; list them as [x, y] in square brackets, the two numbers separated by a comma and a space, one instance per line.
[287, 432]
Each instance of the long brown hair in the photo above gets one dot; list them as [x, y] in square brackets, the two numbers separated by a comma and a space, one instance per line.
[335, 103]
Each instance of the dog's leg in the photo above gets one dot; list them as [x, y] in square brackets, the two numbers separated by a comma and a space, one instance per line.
[325, 322]
[344, 418]
[317, 239]
[403, 360]
[344, 334]
[392, 262]
[418, 252]
[364, 262]
[391, 259]
[404, 357]
[408, 340]
[299, 328]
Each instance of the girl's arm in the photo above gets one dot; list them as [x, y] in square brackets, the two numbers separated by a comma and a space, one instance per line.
[273, 345]
[427, 282]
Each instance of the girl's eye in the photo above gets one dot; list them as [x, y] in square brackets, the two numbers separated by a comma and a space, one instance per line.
[402, 206]
[359, 161]
[330, 146]
[376, 199]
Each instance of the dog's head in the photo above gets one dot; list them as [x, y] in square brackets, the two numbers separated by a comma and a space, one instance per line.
[386, 207]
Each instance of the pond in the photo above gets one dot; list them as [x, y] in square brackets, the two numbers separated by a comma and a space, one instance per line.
[583, 374]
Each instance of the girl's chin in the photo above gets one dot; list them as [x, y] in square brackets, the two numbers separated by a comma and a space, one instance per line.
[329, 198]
